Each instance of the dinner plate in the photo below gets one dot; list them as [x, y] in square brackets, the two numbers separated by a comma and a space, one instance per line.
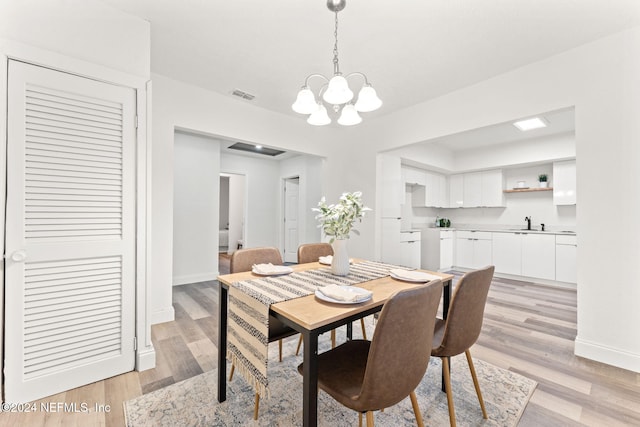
[353, 289]
[279, 272]
[419, 277]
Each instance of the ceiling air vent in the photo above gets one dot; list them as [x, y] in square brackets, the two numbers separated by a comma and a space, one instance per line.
[242, 94]
[258, 149]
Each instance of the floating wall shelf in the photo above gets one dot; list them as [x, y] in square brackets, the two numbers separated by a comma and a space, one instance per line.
[527, 190]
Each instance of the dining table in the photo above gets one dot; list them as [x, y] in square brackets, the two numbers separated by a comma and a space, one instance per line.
[311, 317]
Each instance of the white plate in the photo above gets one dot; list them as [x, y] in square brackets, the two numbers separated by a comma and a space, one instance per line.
[327, 260]
[353, 289]
[423, 278]
[281, 270]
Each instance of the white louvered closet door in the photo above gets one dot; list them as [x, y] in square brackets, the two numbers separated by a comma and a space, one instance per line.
[70, 233]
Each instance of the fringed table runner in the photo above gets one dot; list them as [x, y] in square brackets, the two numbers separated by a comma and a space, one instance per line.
[249, 302]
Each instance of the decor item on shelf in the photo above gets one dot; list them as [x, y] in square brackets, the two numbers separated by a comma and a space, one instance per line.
[542, 178]
[337, 221]
[335, 91]
[522, 184]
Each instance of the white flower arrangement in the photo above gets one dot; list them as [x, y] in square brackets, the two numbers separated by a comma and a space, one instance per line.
[338, 220]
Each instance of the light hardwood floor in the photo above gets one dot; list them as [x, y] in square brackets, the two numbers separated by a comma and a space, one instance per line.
[528, 328]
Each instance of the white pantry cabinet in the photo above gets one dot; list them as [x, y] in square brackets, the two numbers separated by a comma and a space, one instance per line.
[566, 251]
[564, 183]
[391, 186]
[473, 249]
[390, 239]
[539, 255]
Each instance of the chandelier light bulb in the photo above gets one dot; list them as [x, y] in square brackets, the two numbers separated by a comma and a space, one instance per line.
[367, 99]
[338, 91]
[349, 116]
[305, 102]
[319, 117]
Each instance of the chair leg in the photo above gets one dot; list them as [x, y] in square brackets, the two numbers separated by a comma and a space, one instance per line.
[333, 338]
[447, 386]
[280, 349]
[256, 407]
[299, 344]
[475, 383]
[369, 418]
[233, 368]
[364, 330]
[359, 419]
[416, 408]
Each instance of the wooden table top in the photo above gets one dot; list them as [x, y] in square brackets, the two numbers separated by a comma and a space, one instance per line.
[311, 312]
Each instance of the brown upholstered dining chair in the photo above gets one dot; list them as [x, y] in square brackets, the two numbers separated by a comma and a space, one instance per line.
[372, 375]
[462, 328]
[243, 260]
[311, 252]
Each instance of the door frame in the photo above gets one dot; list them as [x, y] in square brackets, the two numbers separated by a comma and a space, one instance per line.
[9, 50]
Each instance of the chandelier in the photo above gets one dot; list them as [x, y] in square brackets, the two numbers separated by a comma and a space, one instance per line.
[335, 91]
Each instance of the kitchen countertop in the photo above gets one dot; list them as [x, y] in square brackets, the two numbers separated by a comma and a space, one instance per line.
[507, 230]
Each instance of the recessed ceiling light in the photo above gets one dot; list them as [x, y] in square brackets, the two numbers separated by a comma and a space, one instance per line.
[258, 147]
[530, 124]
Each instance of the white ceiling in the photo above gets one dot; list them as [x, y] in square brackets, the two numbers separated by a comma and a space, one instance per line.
[411, 50]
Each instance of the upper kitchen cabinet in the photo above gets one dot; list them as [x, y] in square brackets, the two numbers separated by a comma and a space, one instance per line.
[412, 176]
[433, 193]
[564, 183]
[456, 191]
[480, 189]
[391, 186]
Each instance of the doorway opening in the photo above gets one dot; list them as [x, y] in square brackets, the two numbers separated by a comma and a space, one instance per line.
[291, 197]
[231, 218]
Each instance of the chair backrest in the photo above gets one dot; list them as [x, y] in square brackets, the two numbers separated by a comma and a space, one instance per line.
[466, 312]
[310, 252]
[243, 259]
[399, 352]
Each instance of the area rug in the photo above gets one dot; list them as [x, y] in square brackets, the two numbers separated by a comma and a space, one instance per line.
[192, 402]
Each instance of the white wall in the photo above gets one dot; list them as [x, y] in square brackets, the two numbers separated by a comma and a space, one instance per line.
[602, 80]
[195, 209]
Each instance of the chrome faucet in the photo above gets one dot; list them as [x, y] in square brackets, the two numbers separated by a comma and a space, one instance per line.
[528, 219]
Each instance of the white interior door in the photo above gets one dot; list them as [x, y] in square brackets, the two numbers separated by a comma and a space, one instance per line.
[291, 207]
[70, 232]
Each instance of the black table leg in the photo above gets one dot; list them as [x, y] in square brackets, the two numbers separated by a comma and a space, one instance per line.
[222, 342]
[310, 380]
[349, 331]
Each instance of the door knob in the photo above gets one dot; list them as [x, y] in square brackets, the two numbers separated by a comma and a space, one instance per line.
[19, 256]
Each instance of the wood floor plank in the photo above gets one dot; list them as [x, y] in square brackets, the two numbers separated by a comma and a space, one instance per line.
[529, 328]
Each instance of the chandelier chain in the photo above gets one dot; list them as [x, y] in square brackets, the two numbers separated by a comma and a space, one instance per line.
[336, 66]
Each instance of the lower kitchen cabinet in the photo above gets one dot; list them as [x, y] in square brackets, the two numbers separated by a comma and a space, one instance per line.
[539, 255]
[566, 251]
[410, 254]
[507, 253]
[437, 249]
[473, 249]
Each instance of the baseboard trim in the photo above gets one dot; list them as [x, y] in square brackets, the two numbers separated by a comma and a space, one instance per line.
[161, 316]
[609, 355]
[146, 359]
[194, 278]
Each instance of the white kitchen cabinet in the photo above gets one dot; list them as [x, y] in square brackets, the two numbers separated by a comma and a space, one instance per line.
[492, 188]
[410, 254]
[507, 253]
[473, 249]
[539, 255]
[437, 249]
[564, 183]
[472, 190]
[392, 190]
[483, 189]
[456, 191]
[432, 194]
[413, 176]
[566, 250]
